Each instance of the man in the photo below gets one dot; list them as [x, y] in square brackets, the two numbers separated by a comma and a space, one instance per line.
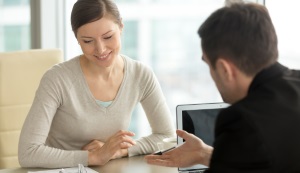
[259, 131]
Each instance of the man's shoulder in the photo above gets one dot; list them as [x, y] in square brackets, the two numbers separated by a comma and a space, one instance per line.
[244, 111]
[292, 77]
[287, 81]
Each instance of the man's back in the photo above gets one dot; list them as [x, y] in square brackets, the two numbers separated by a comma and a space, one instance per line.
[259, 133]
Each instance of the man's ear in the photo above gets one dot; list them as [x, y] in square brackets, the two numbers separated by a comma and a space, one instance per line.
[225, 70]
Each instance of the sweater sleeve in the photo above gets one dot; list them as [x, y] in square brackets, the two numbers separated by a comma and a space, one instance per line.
[33, 151]
[158, 115]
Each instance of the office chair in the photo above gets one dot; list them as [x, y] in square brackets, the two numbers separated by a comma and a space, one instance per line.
[20, 74]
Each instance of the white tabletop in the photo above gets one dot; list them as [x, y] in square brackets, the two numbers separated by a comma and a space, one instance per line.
[135, 164]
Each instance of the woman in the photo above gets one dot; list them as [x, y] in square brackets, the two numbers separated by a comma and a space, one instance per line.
[83, 106]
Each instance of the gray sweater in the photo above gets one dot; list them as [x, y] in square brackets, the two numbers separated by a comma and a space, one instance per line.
[65, 116]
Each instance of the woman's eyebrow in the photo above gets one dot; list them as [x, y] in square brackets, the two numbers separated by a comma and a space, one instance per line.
[107, 32]
[92, 37]
[85, 37]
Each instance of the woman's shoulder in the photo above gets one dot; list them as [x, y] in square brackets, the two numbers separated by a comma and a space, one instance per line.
[136, 67]
[63, 71]
[66, 67]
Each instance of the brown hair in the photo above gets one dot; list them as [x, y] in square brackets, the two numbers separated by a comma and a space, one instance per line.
[87, 11]
[242, 33]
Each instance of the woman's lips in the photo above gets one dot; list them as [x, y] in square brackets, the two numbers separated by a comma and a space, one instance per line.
[103, 57]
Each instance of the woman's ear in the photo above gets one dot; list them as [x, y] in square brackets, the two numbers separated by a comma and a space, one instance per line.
[121, 25]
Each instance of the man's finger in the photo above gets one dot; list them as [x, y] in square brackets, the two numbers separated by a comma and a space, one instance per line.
[159, 162]
[161, 157]
[183, 134]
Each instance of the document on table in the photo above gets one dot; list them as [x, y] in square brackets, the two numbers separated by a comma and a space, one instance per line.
[67, 170]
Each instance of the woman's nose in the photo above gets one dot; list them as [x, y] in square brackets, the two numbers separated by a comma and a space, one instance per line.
[100, 47]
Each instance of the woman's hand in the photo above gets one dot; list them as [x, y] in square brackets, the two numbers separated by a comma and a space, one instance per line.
[115, 147]
[94, 145]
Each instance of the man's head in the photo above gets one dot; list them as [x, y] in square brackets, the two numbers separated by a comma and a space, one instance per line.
[239, 41]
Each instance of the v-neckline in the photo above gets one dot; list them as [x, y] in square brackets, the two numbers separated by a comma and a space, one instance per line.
[89, 92]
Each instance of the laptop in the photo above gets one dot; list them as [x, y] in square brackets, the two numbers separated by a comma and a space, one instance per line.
[198, 119]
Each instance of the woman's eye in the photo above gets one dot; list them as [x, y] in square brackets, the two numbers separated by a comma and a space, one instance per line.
[106, 38]
[87, 41]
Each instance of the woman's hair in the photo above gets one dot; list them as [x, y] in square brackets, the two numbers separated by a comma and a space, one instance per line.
[87, 11]
[242, 33]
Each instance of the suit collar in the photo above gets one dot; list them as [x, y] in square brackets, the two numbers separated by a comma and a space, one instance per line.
[266, 74]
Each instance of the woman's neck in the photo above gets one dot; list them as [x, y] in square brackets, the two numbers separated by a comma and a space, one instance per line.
[103, 73]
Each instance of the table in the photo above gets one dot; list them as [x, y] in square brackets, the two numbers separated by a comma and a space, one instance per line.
[134, 164]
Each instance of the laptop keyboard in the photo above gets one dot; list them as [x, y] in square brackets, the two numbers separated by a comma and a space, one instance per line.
[197, 171]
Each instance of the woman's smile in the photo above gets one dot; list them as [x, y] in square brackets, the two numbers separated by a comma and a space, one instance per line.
[103, 57]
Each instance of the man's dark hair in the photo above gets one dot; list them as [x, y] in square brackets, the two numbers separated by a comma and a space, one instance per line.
[242, 33]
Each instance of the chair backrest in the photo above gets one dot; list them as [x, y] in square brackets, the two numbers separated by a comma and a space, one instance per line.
[20, 74]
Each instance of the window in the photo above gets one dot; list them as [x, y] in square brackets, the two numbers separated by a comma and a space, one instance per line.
[163, 35]
[285, 19]
[15, 27]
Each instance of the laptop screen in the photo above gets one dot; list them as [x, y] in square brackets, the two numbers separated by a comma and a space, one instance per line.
[198, 119]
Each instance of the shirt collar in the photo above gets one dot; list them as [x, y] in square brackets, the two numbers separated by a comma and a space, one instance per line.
[266, 74]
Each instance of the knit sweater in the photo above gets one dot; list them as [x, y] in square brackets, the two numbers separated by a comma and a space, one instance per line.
[65, 116]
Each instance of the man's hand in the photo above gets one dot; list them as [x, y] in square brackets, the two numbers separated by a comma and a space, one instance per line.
[193, 151]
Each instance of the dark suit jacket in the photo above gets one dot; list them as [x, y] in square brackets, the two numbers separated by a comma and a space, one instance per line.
[261, 133]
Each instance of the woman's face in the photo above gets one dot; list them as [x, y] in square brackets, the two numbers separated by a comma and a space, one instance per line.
[100, 41]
